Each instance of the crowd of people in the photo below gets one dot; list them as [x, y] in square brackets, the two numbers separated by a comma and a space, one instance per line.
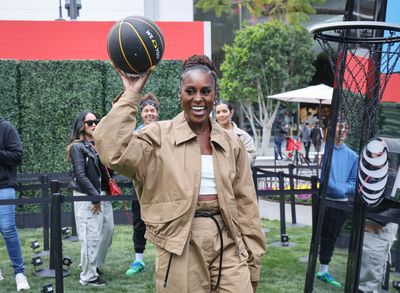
[308, 134]
[194, 196]
[179, 198]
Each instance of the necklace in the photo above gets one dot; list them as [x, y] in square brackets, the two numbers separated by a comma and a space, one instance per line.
[207, 130]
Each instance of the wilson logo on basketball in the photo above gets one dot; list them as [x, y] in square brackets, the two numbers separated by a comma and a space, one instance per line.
[135, 44]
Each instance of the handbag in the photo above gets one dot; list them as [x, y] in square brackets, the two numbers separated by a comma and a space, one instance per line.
[113, 188]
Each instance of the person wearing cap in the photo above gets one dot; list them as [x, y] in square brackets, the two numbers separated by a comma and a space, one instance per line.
[149, 105]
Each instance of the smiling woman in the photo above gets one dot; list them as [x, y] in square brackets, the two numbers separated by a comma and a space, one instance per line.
[194, 184]
[94, 219]
[224, 114]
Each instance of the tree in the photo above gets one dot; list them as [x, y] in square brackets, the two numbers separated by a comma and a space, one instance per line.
[288, 11]
[265, 59]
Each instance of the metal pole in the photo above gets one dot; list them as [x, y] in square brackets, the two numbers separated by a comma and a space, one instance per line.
[44, 180]
[292, 196]
[56, 234]
[254, 173]
[316, 235]
[314, 202]
[355, 249]
[55, 189]
[240, 15]
[60, 10]
[73, 10]
[284, 237]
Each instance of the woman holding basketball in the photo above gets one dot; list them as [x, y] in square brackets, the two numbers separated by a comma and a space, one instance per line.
[195, 186]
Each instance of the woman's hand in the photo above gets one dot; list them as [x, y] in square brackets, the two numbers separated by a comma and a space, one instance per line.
[96, 208]
[134, 83]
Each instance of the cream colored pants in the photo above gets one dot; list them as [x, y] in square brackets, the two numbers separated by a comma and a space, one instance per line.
[196, 270]
[95, 235]
[375, 254]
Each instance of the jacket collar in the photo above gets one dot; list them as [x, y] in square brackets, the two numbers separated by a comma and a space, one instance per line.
[183, 132]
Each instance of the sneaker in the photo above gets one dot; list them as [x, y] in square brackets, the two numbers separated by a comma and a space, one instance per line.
[99, 272]
[135, 268]
[96, 283]
[1, 276]
[22, 282]
[327, 278]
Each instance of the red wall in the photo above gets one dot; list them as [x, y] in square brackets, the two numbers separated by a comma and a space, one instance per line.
[360, 68]
[83, 40]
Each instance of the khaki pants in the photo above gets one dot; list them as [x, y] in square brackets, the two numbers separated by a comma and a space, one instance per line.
[95, 235]
[196, 270]
[375, 254]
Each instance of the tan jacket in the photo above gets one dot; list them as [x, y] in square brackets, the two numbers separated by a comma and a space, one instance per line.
[248, 142]
[164, 160]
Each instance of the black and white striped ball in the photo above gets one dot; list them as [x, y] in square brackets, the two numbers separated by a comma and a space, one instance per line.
[134, 44]
[373, 172]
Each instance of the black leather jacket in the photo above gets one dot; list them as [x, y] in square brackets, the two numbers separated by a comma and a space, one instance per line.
[89, 174]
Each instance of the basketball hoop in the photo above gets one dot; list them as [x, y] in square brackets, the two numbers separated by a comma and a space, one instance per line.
[363, 55]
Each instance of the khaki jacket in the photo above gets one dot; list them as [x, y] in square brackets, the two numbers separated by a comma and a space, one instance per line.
[164, 160]
[248, 142]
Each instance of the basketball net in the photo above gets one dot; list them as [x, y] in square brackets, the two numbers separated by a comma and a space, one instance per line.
[362, 60]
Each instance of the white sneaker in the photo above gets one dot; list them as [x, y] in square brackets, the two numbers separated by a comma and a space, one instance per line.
[22, 282]
[1, 276]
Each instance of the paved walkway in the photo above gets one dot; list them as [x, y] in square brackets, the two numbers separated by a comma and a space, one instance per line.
[270, 210]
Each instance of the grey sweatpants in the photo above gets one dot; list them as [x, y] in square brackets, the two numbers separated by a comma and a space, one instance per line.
[375, 254]
[95, 235]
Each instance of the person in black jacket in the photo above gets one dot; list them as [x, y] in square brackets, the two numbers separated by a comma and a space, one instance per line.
[281, 131]
[94, 219]
[11, 155]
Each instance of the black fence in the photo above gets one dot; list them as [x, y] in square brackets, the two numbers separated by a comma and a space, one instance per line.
[285, 186]
[52, 217]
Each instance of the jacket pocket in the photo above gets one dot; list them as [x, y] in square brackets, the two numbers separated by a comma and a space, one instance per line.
[162, 212]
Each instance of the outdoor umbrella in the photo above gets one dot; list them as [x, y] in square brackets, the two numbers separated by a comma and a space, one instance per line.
[314, 94]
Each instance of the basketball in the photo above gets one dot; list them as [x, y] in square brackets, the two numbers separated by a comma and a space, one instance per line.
[135, 44]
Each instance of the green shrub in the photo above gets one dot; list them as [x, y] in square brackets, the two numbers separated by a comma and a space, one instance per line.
[42, 98]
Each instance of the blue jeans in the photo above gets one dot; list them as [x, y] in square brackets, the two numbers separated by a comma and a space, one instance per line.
[278, 148]
[9, 230]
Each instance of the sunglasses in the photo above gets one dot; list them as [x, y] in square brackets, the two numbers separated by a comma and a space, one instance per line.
[91, 122]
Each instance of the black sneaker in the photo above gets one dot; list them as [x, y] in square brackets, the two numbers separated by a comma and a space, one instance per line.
[96, 283]
[99, 272]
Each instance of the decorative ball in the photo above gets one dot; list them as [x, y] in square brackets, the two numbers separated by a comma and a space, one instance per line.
[134, 44]
[373, 172]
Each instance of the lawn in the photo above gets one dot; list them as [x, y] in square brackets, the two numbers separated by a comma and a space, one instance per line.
[282, 269]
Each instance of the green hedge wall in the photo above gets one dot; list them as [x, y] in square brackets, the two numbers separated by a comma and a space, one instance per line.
[8, 91]
[42, 98]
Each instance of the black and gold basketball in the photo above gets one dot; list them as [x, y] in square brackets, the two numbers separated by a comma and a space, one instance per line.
[134, 44]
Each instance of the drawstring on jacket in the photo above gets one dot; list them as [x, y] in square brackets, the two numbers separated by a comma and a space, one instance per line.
[212, 214]
[168, 269]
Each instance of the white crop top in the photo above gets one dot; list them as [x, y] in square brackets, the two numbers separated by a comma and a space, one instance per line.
[207, 182]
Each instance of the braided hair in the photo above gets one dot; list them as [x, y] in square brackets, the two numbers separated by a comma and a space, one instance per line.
[199, 63]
